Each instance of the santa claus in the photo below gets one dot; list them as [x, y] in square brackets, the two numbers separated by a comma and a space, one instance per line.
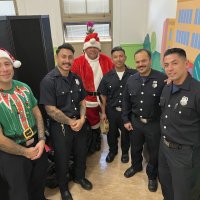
[91, 66]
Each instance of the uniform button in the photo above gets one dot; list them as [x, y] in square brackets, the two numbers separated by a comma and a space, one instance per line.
[179, 112]
[71, 91]
[169, 105]
[140, 116]
[72, 100]
[79, 89]
[120, 94]
[166, 116]
[75, 108]
[154, 95]
[110, 86]
[140, 109]
[141, 101]
[164, 127]
[121, 86]
[143, 84]
[142, 92]
[120, 101]
[63, 92]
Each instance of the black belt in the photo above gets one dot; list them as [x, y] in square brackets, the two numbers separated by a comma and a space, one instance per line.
[21, 137]
[93, 93]
[144, 120]
[174, 145]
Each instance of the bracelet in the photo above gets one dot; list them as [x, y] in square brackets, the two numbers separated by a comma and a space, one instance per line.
[41, 137]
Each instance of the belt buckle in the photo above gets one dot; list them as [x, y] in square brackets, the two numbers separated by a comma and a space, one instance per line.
[118, 109]
[143, 120]
[28, 133]
[166, 142]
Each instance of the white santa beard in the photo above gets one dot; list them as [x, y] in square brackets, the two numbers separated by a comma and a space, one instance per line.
[97, 75]
[97, 72]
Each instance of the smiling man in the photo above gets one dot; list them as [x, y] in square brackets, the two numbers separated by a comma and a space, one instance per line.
[111, 89]
[23, 161]
[141, 115]
[91, 67]
[63, 95]
[179, 163]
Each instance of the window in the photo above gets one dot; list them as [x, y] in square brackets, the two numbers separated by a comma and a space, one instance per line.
[170, 35]
[7, 7]
[76, 13]
[197, 16]
[195, 41]
[182, 37]
[185, 16]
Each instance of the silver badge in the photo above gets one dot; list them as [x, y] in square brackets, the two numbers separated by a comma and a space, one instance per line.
[154, 84]
[77, 82]
[184, 101]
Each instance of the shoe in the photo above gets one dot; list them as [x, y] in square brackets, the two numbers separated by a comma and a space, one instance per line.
[125, 158]
[110, 157]
[66, 195]
[85, 184]
[153, 185]
[131, 172]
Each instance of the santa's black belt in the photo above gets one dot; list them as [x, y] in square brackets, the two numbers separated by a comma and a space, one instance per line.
[93, 93]
[21, 137]
[174, 145]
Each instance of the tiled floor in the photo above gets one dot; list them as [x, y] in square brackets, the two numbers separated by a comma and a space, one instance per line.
[109, 182]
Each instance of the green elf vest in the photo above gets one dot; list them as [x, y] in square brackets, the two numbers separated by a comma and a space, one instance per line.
[16, 114]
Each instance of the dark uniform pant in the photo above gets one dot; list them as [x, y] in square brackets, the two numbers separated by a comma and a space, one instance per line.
[116, 124]
[25, 178]
[179, 172]
[64, 146]
[149, 133]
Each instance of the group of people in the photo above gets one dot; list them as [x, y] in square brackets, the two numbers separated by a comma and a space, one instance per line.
[142, 106]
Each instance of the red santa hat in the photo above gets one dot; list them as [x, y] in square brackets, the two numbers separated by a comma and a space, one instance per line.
[92, 40]
[5, 54]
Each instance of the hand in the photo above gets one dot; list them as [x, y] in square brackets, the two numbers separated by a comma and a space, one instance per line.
[168, 81]
[30, 152]
[128, 126]
[72, 122]
[40, 148]
[77, 125]
[103, 116]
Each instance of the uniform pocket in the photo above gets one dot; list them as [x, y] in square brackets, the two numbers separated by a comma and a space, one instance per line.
[61, 98]
[184, 112]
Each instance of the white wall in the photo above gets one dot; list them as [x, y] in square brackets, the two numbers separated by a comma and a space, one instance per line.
[158, 11]
[129, 21]
[45, 7]
[132, 19]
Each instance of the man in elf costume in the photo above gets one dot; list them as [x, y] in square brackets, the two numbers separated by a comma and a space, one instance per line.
[23, 161]
[91, 67]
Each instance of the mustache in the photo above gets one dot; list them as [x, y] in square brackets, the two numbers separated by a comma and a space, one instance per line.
[66, 63]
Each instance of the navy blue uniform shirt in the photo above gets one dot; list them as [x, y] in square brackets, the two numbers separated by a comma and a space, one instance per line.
[112, 87]
[142, 95]
[180, 119]
[65, 93]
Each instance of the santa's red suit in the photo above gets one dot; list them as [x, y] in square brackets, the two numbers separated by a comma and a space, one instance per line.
[91, 72]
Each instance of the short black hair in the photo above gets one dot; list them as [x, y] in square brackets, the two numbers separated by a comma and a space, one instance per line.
[65, 46]
[179, 51]
[141, 50]
[118, 48]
